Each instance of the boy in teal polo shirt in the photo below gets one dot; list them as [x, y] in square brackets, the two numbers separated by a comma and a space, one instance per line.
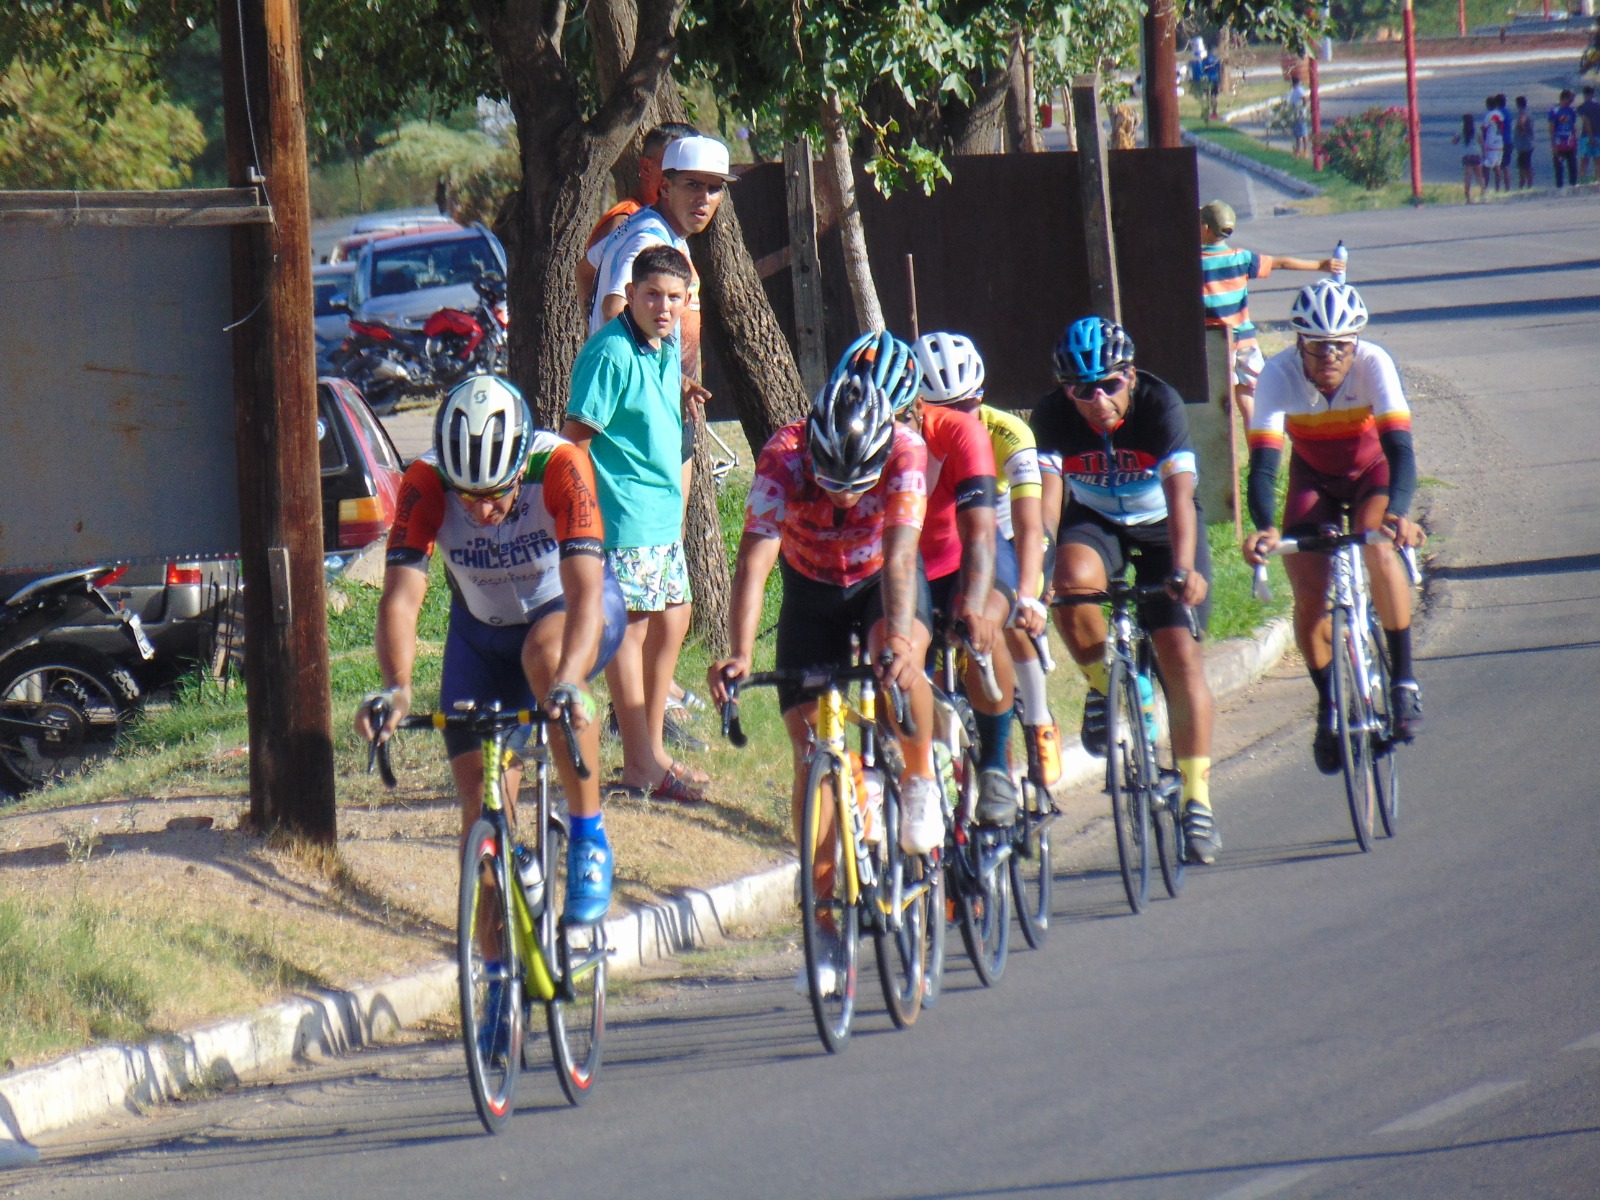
[626, 409]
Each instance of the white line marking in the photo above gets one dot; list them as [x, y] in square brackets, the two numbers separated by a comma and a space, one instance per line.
[1450, 1106]
[1592, 1042]
[1265, 1185]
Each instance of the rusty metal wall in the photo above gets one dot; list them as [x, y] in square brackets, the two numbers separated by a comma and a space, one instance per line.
[999, 256]
[116, 395]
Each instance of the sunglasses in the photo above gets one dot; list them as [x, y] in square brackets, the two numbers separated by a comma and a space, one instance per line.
[1334, 350]
[1111, 385]
[853, 487]
[489, 497]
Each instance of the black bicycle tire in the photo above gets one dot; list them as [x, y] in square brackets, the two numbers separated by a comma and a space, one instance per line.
[938, 930]
[902, 953]
[1166, 807]
[493, 1094]
[1385, 749]
[1030, 865]
[576, 1047]
[117, 687]
[834, 1016]
[1130, 800]
[1350, 713]
[985, 904]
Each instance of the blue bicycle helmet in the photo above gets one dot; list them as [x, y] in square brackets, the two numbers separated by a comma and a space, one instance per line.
[1091, 349]
[886, 362]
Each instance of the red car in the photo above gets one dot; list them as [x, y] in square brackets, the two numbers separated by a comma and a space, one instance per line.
[361, 472]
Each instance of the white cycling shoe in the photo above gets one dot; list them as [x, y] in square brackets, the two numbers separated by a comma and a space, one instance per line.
[921, 821]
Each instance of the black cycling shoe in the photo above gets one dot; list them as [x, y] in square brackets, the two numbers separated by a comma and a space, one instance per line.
[1325, 746]
[1093, 733]
[1405, 701]
[997, 799]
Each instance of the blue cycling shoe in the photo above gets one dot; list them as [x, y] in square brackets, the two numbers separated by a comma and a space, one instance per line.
[588, 882]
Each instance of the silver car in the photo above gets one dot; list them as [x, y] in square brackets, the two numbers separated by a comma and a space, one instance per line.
[402, 281]
[330, 282]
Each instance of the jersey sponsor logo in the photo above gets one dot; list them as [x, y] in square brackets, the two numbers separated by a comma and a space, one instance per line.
[1117, 469]
[487, 554]
[582, 545]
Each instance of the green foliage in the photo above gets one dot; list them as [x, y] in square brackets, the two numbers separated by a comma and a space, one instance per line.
[1369, 148]
[98, 126]
[408, 164]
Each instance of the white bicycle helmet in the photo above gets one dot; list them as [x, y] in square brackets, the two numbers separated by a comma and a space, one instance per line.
[1326, 310]
[952, 368]
[482, 434]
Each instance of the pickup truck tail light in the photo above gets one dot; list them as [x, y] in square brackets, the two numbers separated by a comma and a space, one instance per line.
[183, 573]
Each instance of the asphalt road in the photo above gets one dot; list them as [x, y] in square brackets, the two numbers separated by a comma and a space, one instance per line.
[1307, 1021]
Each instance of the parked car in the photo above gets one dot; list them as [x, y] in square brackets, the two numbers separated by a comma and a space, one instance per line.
[330, 282]
[373, 229]
[361, 472]
[402, 281]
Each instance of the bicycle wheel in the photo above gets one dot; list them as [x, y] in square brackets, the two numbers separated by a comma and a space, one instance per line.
[1125, 781]
[828, 926]
[576, 1018]
[1351, 711]
[491, 989]
[938, 919]
[1171, 847]
[900, 932]
[1030, 859]
[1385, 750]
[985, 903]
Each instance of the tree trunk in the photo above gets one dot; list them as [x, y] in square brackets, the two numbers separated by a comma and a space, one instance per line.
[857, 268]
[980, 128]
[565, 162]
[1022, 106]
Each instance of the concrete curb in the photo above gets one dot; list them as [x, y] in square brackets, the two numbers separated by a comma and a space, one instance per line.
[1281, 179]
[323, 1024]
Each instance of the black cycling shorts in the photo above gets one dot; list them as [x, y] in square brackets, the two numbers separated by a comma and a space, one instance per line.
[1149, 549]
[816, 620]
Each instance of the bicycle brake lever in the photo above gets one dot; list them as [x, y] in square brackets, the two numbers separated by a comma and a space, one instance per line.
[731, 727]
[571, 739]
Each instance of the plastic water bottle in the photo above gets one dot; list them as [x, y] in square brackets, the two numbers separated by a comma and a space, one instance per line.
[532, 876]
[1341, 258]
[869, 799]
[1147, 704]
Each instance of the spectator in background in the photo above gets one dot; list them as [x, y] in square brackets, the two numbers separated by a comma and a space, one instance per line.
[1471, 157]
[1522, 142]
[1492, 145]
[626, 410]
[1563, 119]
[1589, 135]
[1505, 136]
[1299, 106]
[1226, 273]
[1210, 84]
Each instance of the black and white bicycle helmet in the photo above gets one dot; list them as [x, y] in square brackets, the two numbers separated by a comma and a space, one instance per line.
[482, 435]
[849, 434]
[1091, 349]
[952, 368]
[1326, 310]
[887, 362]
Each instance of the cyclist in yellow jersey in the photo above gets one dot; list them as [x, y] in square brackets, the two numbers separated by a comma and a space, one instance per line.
[952, 376]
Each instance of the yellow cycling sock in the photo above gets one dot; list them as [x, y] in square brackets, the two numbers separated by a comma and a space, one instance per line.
[1098, 675]
[1196, 774]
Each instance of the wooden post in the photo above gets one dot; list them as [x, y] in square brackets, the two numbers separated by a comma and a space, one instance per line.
[1162, 130]
[911, 291]
[1094, 188]
[275, 407]
[805, 267]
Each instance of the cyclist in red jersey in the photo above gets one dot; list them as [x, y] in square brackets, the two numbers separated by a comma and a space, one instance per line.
[837, 505]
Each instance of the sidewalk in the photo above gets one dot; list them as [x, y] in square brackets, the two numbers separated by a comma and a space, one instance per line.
[325, 1023]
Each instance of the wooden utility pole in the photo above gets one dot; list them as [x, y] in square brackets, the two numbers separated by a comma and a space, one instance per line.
[1162, 131]
[805, 266]
[275, 415]
[1094, 190]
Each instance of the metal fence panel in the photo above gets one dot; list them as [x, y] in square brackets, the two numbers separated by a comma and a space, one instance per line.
[116, 395]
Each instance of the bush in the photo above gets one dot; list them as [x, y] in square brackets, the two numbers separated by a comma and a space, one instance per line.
[1368, 149]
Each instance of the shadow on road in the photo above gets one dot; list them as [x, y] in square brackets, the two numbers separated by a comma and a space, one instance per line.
[1568, 564]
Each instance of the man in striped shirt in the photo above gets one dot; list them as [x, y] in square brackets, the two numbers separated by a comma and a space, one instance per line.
[1226, 274]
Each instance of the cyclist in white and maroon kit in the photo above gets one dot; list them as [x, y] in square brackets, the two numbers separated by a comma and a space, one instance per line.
[534, 609]
[1339, 400]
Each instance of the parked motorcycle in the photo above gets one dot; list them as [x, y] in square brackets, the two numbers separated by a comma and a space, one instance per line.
[61, 705]
[388, 363]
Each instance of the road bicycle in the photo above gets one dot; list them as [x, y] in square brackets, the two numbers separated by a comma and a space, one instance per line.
[1031, 873]
[897, 897]
[1359, 676]
[1144, 785]
[976, 857]
[511, 947]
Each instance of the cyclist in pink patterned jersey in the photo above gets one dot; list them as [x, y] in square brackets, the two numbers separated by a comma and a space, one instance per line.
[837, 505]
[1340, 402]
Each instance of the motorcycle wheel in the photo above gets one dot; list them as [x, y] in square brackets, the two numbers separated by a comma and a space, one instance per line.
[84, 697]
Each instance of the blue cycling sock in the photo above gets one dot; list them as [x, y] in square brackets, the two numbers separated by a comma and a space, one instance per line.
[993, 732]
[589, 827]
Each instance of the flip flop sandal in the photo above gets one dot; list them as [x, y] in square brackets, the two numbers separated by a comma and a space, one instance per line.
[675, 789]
[690, 775]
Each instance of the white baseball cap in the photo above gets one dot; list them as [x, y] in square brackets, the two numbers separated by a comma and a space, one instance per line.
[704, 155]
